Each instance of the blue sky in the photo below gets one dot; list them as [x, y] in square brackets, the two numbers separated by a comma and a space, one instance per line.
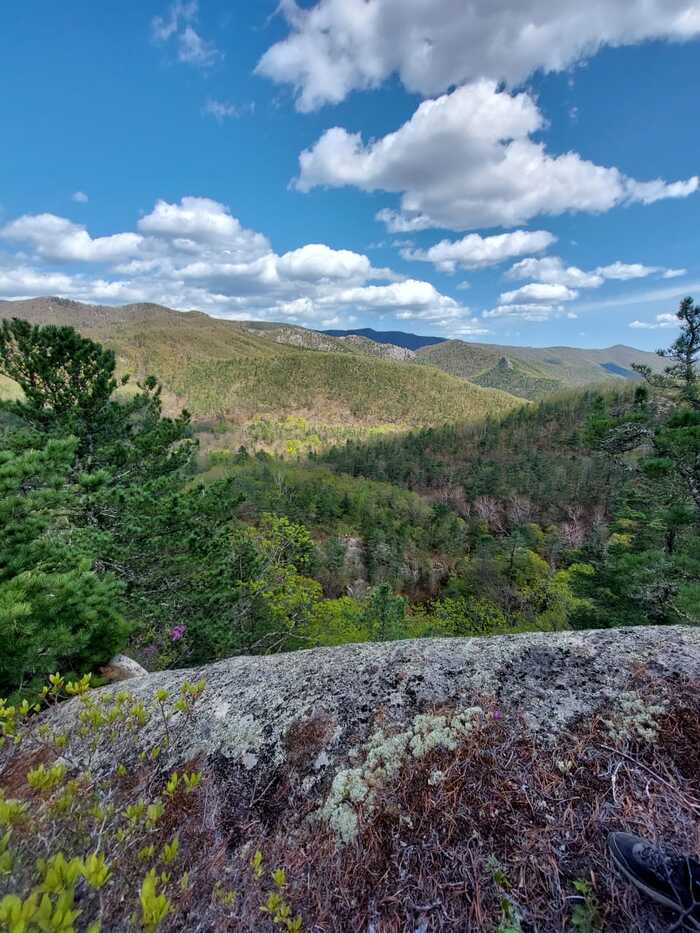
[514, 172]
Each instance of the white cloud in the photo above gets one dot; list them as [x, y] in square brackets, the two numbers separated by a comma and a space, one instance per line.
[337, 46]
[667, 293]
[176, 25]
[525, 312]
[650, 191]
[222, 110]
[538, 291]
[178, 15]
[661, 320]
[471, 328]
[80, 197]
[196, 254]
[625, 271]
[396, 222]
[194, 50]
[474, 251]
[316, 261]
[551, 270]
[202, 220]
[408, 300]
[467, 160]
[23, 281]
[57, 238]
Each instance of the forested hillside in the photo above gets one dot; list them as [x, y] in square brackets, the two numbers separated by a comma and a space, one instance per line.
[533, 372]
[120, 532]
[251, 389]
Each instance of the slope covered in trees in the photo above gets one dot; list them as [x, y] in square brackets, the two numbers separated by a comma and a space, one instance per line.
[222, 372]
[533, 372]
[580, 511]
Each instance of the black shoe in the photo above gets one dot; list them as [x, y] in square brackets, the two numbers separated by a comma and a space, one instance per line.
[666, 877]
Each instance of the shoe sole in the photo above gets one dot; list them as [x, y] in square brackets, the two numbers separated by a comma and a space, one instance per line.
[654, 895]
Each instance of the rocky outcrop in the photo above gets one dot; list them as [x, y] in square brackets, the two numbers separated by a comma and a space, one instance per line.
[252, 705]
[430, 785]
[386, 351]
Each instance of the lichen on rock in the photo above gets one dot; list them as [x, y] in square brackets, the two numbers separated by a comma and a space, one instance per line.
[634, 718]
[385, 757]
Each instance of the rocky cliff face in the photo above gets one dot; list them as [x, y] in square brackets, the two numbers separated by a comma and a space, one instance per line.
[390, 779]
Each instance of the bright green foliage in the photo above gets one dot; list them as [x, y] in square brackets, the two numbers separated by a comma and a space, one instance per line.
[680, 379]
[66, 380]
[94, 830]
[71, 456]
[522, 522]
[55, 610]
[154, 907]
[648, 571]
[538, 452]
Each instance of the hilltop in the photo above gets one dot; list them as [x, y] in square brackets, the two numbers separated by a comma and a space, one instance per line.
[528, 372]
[226, 374]
[397, 337]
[534, 372]
[297, 336]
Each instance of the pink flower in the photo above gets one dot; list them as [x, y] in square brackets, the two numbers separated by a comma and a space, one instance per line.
[497, 714]
[177, 632]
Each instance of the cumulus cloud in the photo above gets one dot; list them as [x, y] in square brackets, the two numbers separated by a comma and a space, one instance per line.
[202, 220]
[661, 320]
[551, 270]
[411, 299]
[650, 191]
[80, 197]
[195, 254]
[337, 46]
[475, 252]
[316, 262]
[57, 238]
[24, 281]
[467, 159]
[471, 329]
[537, 292]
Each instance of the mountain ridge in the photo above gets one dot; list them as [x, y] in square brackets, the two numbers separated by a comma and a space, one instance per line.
[196, 339]
[399, 338]
[226, 374]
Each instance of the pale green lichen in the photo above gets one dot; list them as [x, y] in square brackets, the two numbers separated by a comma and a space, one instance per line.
[634, 718]
[385, 755]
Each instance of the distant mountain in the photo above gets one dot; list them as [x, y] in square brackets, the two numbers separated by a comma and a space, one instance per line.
[397, 337]
[227, 372]
[297, 336]
[533, 372]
